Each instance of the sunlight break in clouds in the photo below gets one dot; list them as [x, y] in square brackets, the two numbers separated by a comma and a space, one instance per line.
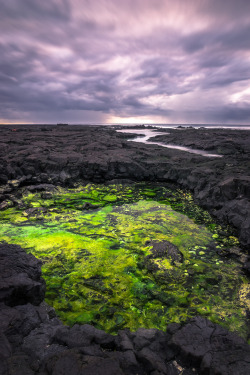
[131, 61]
[242, 96]
[131, 120]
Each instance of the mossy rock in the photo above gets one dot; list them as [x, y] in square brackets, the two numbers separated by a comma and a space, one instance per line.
[165, 249]
[120, 256]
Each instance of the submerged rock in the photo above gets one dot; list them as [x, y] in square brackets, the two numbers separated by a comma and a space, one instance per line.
[165, 249]
[89, 206]
[33, 211]
[6, 204]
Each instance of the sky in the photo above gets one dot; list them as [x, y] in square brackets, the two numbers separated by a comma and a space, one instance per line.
[126, 61]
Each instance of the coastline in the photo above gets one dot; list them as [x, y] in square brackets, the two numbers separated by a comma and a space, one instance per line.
[36, 157]
[63, 155]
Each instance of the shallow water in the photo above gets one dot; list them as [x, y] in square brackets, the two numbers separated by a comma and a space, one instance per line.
[146, 134]
[97, 244]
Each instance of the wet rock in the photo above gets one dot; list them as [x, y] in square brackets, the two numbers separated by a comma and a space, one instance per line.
[79, 336]
[237, 214]
[6, 204]
[206, 345]
[228, 188]
[16, 183]
[65, 177]
[33, 211]
[39, 343]
[66, 362]
[3, 178]
[41, 187]
[246, 267]
[151, 361]
[143, 337]
[21, 280]
[5, 348]
[20, 364]
[89, 206]
[19, 321]
[165, 249]
[123, 341]
[46, 195]
[93, 350]
[102, 367]
[234, 252]
[73, 362]
[128, 362]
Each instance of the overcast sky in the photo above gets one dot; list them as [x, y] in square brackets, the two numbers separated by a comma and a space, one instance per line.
[110, 61]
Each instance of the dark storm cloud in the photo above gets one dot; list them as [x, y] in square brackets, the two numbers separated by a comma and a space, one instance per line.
[165, 74]
[230, 40]
[230, 74]
[160, 68]
[231, 10]
[164, 60]
[234, 112]
[29, 9]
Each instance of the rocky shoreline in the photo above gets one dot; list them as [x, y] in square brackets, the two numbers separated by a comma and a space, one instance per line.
[63, 155]
[33, 340]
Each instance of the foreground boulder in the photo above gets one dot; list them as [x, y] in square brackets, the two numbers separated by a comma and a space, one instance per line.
[21, 280]
[211, 348]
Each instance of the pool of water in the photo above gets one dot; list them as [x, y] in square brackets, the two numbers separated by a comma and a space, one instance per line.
[130, 256]
[146, 134]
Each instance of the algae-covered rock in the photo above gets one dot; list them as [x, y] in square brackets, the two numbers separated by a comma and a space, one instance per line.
[6, 204]
[165, 249]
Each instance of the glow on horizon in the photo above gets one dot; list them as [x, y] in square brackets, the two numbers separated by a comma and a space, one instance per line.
[4, 121]
[131, 120]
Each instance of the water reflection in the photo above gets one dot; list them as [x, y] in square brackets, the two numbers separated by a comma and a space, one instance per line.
[146, 134]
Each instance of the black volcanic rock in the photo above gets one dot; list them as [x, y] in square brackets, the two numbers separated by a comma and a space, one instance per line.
[32, 339]
[164, 249]
[67, 154]
[21, 280]
[204, 344]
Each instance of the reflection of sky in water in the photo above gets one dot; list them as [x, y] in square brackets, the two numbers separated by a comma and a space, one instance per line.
[146, 134]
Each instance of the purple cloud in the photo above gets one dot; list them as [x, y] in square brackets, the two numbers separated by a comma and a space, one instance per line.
[102, 61]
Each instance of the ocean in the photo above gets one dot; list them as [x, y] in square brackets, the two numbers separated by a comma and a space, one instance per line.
[196, 126]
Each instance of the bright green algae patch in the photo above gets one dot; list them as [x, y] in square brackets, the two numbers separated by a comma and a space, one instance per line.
[98, 244]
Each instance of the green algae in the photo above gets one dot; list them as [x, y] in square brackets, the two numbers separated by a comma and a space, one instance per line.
[96, 246]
